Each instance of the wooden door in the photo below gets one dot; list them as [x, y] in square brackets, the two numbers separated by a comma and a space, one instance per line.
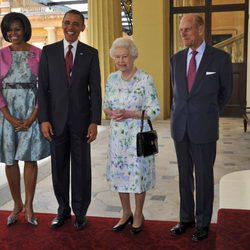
[226, 26]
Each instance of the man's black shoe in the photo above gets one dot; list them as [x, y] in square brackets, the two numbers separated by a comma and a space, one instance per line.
[200, 234]
[181, 227]
[80, 222]
[58, 221]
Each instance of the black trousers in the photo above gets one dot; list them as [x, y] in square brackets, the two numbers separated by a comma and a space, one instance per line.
[199, 159]
[71, 147]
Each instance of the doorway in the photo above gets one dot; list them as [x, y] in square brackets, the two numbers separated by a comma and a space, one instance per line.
[226, 26]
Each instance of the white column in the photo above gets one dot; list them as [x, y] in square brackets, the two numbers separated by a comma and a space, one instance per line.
[51, 37]
[84, 35]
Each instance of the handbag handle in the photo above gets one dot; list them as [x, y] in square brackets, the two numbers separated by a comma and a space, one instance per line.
[142, 121]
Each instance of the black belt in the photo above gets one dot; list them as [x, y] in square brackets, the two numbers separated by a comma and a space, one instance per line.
[19, 85]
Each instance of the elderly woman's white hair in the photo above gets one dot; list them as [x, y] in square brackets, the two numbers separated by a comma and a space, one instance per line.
[124, 42]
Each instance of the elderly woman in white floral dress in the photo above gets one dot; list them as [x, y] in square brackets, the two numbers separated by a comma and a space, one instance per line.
[129, 91]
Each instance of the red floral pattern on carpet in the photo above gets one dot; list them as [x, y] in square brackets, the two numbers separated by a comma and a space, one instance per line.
[233, 229]
[97, 235]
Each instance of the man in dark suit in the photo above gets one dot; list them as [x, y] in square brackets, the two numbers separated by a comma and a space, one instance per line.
[69, 101]
[202, 85]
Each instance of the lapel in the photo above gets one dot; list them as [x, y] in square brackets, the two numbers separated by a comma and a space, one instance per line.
[60, 53]
[205, 60]
[78, 61]
[60, 60]
[182, 71]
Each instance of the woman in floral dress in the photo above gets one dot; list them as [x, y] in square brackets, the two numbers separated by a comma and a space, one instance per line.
[20, 137]
[129, 91]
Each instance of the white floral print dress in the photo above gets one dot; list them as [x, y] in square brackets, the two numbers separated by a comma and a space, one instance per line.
[125, 171]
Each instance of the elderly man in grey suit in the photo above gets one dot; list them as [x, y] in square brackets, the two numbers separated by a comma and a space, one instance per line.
[69, 101]
[202, 85]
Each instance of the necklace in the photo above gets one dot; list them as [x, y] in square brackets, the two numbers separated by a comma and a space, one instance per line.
[130, 75]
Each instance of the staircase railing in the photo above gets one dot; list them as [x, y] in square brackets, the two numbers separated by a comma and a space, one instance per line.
[234, 46]
[127, 19]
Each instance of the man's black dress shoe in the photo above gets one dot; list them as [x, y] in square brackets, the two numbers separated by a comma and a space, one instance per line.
[200, 234]
[58, 221]
[80, 222]
[181, 228]
[120, 227]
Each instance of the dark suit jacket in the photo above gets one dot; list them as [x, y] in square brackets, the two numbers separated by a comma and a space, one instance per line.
[197, 112]
[78, 101]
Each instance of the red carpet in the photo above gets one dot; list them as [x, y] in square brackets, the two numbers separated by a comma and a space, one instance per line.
[97, 235]
[233, 229]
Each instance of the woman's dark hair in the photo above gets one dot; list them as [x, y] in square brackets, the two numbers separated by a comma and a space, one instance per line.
[9, 18]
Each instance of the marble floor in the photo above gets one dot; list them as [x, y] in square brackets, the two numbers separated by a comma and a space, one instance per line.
[162, 202]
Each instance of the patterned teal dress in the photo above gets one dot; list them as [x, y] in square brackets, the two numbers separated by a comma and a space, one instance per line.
[125, 171]
[19, 91]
